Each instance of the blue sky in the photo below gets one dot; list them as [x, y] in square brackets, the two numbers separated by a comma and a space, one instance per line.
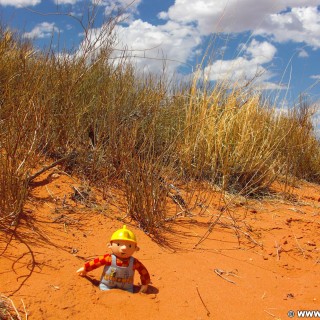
[279, 40]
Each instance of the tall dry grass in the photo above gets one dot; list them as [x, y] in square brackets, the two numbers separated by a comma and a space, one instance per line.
[301, 155]
[232, 138]
[139, 129]
[19, 118]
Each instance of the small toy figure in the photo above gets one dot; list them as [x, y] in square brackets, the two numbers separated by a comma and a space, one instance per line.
[120, 265]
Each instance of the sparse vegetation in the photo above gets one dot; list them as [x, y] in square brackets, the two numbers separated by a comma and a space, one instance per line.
[139, 129]
[8, 310]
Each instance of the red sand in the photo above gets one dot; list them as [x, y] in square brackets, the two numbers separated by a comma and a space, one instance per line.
[259, 262]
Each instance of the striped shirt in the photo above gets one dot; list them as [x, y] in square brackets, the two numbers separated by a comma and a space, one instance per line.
[106, 260]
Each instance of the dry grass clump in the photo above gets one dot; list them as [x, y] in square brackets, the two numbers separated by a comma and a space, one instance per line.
[300, 153]
[8, 310]
[146, 194]
[138, 129]
[19, 125]
[229, 139]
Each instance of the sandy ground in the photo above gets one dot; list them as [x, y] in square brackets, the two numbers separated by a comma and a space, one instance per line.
[261, 260]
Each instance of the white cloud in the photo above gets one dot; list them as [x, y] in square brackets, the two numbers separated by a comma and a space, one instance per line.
[19, 3]
[280, 21]
[261, 52]
[301, 24]
[66, 1]
[148, 46]
[245, 68]
[236, 69]
[122, 3]
[188, 21]
[316, 77]
[128, 7]
[298, 25]
[303, 53]
[151, 45]
[127, 3]
[42, 30]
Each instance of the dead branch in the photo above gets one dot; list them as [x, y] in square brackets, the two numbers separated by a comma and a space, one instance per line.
[209, 230]
[221, 272]
[208, 312]
[52, 165]
[302, 251]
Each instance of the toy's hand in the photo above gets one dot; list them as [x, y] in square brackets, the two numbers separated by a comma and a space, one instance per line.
[81, 272]
[144, 288]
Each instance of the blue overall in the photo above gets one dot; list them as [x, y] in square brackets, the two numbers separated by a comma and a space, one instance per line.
[114, 276]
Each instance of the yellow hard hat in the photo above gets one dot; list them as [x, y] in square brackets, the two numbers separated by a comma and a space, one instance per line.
[124, 234]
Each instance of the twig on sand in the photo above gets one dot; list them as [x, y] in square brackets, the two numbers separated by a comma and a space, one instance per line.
[208, 312]
[269, 313]
[302, 251]
[277, 249]
[212, 224]
[79, 193]
[44, 169]
[247, 235]
[220, 273]
[24, 309]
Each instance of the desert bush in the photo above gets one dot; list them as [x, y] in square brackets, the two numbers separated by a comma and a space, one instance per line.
[20, 125]
[146, 195]
[300, 152]
[137, 128]
[239, 140]
[229, 139]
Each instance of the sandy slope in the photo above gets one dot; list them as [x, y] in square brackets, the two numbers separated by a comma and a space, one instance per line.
[259, 262]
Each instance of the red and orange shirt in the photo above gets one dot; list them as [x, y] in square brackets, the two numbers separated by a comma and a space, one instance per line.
[106, 260]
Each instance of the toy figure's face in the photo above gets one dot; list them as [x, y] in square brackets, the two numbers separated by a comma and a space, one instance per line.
[123, 249]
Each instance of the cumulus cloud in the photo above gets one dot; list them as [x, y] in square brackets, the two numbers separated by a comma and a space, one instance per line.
[187, 22]
[278, 21]
[260, 52]
[122, 3]
[19, 3]
[300, 24]
[65, 1]
[303, 53]
[247, 67]
[152, 45]
[42, 30]
[128, 7]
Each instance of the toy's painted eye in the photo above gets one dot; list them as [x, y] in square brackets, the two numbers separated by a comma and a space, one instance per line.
[118, 244]
[130, 245]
